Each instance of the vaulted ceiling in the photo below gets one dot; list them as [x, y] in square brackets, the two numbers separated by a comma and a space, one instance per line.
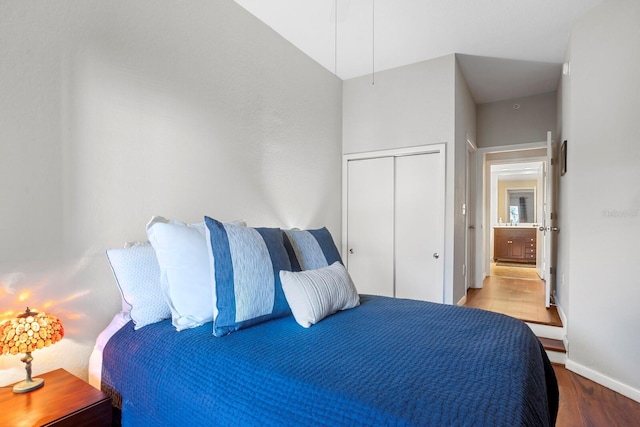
[510, 48]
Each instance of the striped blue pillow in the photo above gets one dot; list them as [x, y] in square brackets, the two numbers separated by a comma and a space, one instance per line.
[245, 267]
[311, 249]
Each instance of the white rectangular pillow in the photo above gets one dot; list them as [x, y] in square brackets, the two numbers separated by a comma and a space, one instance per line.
[183, 257]
[316, 294]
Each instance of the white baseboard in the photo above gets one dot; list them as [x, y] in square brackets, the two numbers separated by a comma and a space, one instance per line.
[604, 380]
[463, 300]
[563, 317]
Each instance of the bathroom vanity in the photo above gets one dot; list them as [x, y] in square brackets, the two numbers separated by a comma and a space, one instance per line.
[514, 244]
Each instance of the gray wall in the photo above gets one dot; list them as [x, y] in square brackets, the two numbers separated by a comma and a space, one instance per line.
[500, 124]
[601, 195]
[407, 106]
[465, 129]
[111, 112]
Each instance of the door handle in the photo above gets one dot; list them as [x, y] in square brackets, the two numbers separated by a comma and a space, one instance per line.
[351, 251]
[436, 255]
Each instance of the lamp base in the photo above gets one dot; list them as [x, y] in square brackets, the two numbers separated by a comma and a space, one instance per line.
[27, 386]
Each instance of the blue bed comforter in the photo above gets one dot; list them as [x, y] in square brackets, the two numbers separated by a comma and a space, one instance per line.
[387, 362]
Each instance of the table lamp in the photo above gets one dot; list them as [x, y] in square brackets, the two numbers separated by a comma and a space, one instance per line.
[25, 333]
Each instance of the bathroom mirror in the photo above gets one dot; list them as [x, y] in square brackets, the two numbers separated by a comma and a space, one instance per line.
[521, 205]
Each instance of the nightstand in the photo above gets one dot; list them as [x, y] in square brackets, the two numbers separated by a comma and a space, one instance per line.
[65, 400]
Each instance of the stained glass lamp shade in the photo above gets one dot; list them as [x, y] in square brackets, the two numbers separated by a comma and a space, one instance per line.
[25, 333]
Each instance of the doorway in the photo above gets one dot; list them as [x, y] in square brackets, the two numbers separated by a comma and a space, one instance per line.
[512, 189]
[527, 159]
[516, 200]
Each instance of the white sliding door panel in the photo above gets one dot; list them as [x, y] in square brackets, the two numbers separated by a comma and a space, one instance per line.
[419, 227]
[370, 225]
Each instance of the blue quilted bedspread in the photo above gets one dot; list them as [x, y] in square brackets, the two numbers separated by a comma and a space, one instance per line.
[386, 362]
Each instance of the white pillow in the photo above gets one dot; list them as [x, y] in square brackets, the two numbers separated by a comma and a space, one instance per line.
[182, 253]
[137, 274]
[316, 294]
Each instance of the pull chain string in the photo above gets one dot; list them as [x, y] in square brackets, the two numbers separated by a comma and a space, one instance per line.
[335, 39]
[373, 42]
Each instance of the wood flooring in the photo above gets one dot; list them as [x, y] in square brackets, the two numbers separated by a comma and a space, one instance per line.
[583, 403]
[586, 403]
[514, 272]
[522, 298]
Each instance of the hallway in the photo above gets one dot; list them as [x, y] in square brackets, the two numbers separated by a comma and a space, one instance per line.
[515, 293]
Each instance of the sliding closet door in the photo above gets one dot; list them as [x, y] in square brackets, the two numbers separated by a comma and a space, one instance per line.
[419, 226]
[369, 254]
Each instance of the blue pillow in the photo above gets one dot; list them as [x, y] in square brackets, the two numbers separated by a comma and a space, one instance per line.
[311, 249]
[245, 272]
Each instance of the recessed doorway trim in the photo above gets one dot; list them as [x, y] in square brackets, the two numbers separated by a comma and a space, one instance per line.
[512, 154]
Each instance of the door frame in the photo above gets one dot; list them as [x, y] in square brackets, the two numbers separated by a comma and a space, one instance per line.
[483, 178]
[439, 148]
[469, 218]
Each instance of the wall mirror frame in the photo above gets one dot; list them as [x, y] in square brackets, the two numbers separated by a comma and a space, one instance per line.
[520, 205]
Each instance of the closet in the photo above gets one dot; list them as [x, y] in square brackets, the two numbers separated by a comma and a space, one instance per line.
[394, 222]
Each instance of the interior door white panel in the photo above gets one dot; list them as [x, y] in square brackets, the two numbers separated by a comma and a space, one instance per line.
[394, 222]
[419, 227]
[370, 225]
[551, 215]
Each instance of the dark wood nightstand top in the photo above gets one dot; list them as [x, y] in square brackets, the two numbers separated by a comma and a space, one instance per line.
[65, 400]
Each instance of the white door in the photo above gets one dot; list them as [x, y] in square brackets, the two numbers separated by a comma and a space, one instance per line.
[370, 220]
[541, 204]
[393, 222]
[550, 226]
[419, 227]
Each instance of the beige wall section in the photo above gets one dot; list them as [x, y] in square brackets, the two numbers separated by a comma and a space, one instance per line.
[601, 219]
[499, 123]
[112, 112]
[502, 187]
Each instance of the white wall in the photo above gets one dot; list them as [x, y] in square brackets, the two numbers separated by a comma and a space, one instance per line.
[409, 106]
[601, 125]
[111, 112]
[500, 124]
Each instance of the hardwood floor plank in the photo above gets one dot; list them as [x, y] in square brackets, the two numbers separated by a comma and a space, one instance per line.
[586, 403]
[553, 345]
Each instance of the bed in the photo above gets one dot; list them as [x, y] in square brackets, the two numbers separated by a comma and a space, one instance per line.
[385, 361]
